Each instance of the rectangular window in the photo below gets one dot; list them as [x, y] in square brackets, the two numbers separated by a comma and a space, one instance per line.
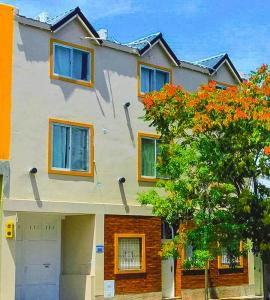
[220, 87]
[224, 262]
[167, 231]
[129, 253]
[148, 152]
[189, 251]
[71, 148]
[152, 78]
[72, 63]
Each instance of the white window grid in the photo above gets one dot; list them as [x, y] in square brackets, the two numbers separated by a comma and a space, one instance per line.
[225, 261]
[129, 254]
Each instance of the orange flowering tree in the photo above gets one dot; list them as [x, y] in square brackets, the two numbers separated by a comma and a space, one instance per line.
[215, 156]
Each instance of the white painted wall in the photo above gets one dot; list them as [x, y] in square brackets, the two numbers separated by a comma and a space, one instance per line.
[36, 98]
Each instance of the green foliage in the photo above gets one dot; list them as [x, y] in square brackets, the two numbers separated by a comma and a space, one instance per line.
[170, 248]
[199, 260]
[215, 152]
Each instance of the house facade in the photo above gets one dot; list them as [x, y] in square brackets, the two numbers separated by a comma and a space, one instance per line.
[73, 156]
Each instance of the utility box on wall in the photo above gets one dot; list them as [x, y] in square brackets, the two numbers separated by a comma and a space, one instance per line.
[9, 230]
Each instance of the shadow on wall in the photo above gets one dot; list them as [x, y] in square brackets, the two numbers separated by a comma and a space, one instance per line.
[35, 189]
[112, 69]
[77, 257]
[5, 172]
[130, 127]
[33, 44]
[123, 197]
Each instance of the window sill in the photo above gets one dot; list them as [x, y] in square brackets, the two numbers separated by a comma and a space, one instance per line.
[146, 179]
[230, 268]
[70, 80]
[193, 272]
[71, 173]
[130, 272]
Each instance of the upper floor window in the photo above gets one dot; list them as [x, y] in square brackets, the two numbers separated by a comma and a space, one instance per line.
[72, 63]
[220, 87]
[152, 78]
[71, 148]
[148, 152]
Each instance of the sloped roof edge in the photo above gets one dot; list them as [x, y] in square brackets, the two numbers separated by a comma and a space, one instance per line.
[66, 18]
[146, 43]
[159, 38]
[231, 65]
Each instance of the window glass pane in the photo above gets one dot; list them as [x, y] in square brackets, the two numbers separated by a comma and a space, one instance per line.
[61, 146]
[161, 79]
[80, 67]
[148, 157]
[166, 231]
[147, 80]
[158, 143]
[129, 254]
[229, 262]
[62, 61]
[79, 149]
[189, 251]
[220, 87]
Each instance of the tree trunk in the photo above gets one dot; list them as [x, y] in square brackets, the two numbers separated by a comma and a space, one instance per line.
[266, 275]
[206, 282]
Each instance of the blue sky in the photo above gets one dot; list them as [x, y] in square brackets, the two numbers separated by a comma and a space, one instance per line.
[193, 28]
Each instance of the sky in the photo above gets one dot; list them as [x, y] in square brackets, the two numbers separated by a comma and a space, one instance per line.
[194, 29]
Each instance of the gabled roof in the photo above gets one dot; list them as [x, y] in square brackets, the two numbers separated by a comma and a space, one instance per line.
[214, 62]
[210, 62]
[59, 21]
[146, 43]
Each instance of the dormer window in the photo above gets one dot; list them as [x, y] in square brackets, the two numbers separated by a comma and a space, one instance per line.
[220, 87]
[72, 63]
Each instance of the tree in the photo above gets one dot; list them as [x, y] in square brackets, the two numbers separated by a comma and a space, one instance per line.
[215, 157]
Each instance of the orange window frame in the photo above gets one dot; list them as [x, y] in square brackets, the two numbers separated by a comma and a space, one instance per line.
[139, 64]
[142, 135]
[241, 261]
[66, 79]
[227, 85]
[117, 236]
[90, 127]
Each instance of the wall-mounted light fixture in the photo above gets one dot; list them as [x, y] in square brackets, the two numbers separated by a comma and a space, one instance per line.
[122, 180]
[126, 105]
[33, 171]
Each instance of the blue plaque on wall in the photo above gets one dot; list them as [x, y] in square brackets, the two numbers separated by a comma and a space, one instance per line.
[99, 248]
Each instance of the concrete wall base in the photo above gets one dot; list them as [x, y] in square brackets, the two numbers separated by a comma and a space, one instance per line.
[219, 292]
[145, 296]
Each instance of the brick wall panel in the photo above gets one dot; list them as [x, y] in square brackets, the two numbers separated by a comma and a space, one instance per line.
[134, 283]
[195, 279]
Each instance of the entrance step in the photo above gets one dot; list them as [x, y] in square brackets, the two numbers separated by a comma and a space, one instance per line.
[174, 298]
